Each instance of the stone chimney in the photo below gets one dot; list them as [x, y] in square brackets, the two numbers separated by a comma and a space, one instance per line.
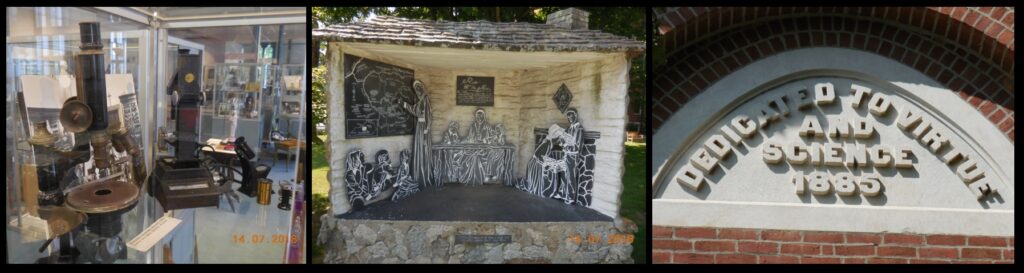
[570, 18]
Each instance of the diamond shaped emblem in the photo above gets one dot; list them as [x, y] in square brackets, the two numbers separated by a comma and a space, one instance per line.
[562, 98]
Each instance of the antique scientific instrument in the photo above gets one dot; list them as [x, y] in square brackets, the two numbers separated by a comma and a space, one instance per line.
[264, 188]
[182, 181]
[286, 194]
[84, 192]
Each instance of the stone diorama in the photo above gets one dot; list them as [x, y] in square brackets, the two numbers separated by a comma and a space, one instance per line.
[509, 138]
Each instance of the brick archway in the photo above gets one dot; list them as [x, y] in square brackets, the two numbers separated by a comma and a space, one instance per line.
[969, 50]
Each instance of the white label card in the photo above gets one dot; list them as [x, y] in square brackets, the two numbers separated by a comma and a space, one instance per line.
[154, 233]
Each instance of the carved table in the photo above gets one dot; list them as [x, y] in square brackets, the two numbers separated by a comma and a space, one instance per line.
[473, 163]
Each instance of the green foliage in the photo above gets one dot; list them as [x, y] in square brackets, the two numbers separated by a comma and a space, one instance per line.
[657, 44]
[321, 205]
[320, 183]
[634, 196]
[319, 97]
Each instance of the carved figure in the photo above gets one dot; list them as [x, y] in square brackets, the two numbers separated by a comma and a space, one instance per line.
[404, 184]
[478, 129]
[421, 142]
[452, 135]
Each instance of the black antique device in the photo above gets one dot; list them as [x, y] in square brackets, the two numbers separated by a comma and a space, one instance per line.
[181, 181]
[250, 173]
[102, 201]
[286, 195]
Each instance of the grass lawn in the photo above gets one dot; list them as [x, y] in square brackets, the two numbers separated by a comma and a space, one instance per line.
[320, 202]
[634, 196]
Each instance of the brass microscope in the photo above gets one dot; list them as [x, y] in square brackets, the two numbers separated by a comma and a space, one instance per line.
[84, 191]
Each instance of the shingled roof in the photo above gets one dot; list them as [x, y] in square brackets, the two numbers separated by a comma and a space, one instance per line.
[486, 35]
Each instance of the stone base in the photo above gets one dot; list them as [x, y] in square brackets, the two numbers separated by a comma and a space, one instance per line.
[380, 241]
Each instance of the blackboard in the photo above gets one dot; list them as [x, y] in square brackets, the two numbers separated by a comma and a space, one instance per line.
[476, 91]
[374, 93]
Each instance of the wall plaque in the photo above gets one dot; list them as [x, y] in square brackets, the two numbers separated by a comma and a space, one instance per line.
[482, 239]
[562, 98]
[476, 91]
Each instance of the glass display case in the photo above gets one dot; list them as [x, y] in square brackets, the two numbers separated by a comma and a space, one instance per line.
[247, 65]
[76, 141]
[236, 106]
[98, 121]
[289, 109]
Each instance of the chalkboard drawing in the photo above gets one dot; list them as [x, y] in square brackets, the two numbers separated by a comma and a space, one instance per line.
[476, 91]
[452, 135]
[376, 91]
[361, 128]
[562, 98]
[421, 143]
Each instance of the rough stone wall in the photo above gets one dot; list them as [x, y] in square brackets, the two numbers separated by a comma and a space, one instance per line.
[370, 241]
[522, 101]
[682, 245]
[599, 94]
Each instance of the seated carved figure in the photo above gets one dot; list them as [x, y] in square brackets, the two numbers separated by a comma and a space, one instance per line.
[368, 183]
[545, 167]
[478, 129]
[452, 135]
[495, 135]
[403, 179]
[356, 182]
[482, 156]
[562, 165]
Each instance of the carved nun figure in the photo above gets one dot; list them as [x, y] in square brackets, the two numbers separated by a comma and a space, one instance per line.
[421, 169]
[478, 129]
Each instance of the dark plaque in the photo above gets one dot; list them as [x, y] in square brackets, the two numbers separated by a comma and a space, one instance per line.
[562, 98]
[482, 239]
[476, 91]
[374, 92]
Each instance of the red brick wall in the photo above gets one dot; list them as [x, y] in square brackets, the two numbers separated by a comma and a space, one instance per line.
[762, 246]
[969, 50]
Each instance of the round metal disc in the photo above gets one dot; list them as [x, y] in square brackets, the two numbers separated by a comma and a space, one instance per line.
[75, 116]
[103, 196]
[61, 220]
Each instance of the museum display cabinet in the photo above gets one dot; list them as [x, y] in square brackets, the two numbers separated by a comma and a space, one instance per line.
[110, 159]
[237, 100]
